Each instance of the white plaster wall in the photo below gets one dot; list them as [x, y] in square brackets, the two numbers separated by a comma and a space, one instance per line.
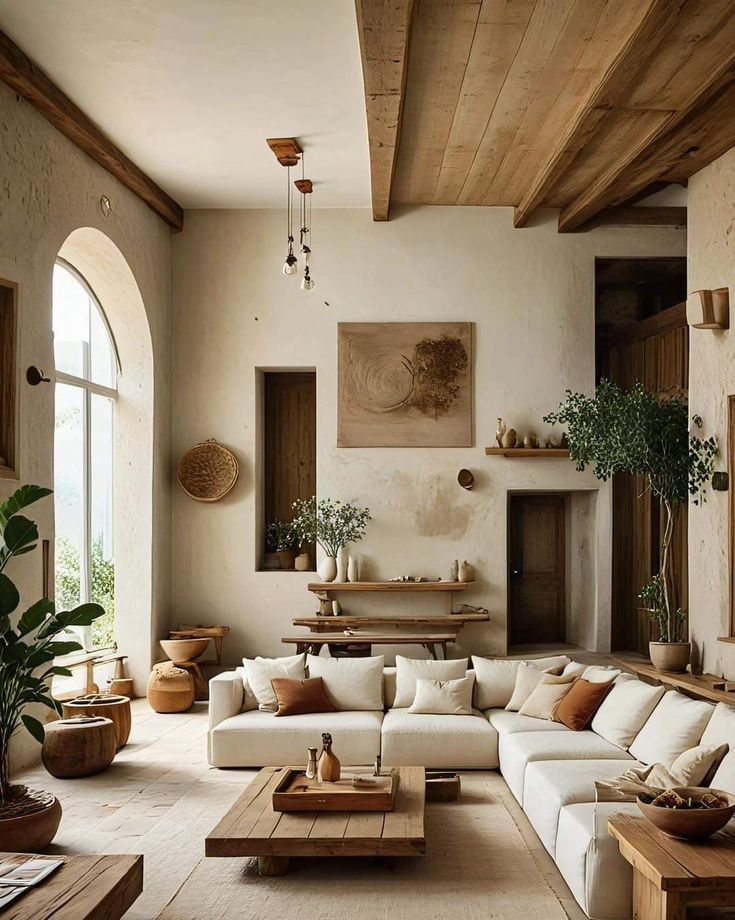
[711, 381]
[48, 188]
[530, 294]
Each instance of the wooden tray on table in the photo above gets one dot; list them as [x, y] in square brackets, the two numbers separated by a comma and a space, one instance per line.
[297, 793]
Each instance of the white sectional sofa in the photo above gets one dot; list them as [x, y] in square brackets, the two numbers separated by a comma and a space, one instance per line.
[550, 769]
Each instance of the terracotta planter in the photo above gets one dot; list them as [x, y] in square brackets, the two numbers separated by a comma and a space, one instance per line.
[286, 557]
[670, 656]
[33, 832]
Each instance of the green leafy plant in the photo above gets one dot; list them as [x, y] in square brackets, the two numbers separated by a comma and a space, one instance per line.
[28, 648]
[634, 431]
[282, 536]
[654, 600]
[329, 522]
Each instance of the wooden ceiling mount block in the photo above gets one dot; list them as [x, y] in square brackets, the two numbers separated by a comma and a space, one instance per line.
[305, 186]
[709, 309]
[287, 150]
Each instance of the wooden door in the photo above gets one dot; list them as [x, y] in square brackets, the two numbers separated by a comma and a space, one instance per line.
[536, 567]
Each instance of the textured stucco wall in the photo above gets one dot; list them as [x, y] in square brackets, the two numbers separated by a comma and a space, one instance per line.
[530, 294]
[711, 381]
[48, 189]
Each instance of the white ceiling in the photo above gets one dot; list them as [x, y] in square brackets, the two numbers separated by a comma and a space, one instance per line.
[190, 89]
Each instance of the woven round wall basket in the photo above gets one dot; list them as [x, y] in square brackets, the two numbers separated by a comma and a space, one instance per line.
[207, 471]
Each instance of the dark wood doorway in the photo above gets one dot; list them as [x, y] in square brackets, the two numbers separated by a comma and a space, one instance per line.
[536, 569]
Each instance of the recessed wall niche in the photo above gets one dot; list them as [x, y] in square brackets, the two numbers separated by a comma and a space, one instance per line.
[8, 379]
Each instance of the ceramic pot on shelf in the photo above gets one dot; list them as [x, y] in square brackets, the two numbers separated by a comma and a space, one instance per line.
[509, 438]
[353, 568]
[327, 568]
[343, 558]
[302, 563]
[670, 656]
[286, 557]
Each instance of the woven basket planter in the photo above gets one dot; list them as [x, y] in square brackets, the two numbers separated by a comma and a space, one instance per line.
[207, 472]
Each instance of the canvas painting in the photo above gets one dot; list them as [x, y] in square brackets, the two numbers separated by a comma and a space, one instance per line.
[405, 385]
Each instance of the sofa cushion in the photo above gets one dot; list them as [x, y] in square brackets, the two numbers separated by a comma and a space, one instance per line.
[260, 739]
[521, 748]
[527, 678]
[625, 711]
[296, 697]
[260, 671]
[438, 741]
[552, 784]
[675, 725]
[408, 669]
[443, 697]
[506, 723]
[721, 730]
[590, 862]
[389, 687]
[352, 684]
[496, 677]
[579, 706]
[546, 696]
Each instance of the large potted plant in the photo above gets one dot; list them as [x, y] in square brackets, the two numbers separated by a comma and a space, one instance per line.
[28, 645]
[634, 431]
[330, 523]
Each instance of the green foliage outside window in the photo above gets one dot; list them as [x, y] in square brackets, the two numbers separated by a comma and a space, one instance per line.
[102, 585]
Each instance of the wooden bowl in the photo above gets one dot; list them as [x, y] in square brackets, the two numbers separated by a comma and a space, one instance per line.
[686, 824]
[184, 649]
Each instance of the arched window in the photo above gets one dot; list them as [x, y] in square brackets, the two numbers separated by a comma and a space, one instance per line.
[86, 366]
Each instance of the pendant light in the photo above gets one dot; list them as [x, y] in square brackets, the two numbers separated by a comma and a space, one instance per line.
[289, 266]
[305, 187]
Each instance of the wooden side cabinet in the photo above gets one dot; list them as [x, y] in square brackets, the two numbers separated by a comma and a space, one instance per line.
[8, 379]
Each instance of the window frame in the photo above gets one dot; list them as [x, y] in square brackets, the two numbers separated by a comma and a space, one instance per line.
[89, 389]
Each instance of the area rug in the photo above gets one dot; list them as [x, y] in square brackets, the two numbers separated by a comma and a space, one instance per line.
[477, 866]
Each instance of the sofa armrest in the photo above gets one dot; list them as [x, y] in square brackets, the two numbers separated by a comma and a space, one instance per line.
[226, 693]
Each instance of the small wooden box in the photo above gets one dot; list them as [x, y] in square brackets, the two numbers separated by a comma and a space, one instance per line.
[442, 787]
[297, 793]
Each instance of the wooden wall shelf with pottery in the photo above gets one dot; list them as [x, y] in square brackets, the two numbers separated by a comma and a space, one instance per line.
[327, 587]
[526, 452]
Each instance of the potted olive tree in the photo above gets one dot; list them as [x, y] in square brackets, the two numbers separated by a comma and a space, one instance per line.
[28, 645]
[634, 431]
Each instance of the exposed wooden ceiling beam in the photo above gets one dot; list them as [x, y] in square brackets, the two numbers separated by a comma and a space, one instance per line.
[641, 216]
[614, 85]
[384, 28]
[19, 72]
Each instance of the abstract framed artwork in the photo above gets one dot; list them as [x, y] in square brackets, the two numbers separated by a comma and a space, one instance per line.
[405, 385]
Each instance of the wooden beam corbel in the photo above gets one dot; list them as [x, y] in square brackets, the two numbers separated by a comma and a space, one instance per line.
[641, 216]
[19, 72]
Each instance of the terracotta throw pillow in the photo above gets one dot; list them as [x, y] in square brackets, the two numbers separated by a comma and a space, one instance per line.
[579, 706]
[296, 697]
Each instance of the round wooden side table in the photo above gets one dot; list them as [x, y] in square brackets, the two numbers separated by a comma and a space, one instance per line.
[80, 746]
[108, 705]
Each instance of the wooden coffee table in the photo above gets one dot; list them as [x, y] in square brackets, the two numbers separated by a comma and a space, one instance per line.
[669, 874]
[252, 828]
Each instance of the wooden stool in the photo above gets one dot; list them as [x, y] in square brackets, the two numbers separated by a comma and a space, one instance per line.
[80, 746]
[112, 707]
[201, 684]
[170, 688]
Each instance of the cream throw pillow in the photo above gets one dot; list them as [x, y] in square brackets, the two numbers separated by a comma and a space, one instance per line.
[546, 696]
[408, 670]
[496, 677]
[527, 677]
[689, 769]
[444, 697]
[261, 671]
[352, 684]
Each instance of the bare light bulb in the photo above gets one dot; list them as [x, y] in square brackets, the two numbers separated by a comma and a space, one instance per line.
[289, 266]
[308, 283]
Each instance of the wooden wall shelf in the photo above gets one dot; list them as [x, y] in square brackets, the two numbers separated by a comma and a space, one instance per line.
[345, 621]
[704, 686]
[527, 451]
[329, 587]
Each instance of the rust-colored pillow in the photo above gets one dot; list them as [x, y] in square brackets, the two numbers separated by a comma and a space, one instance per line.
[296, 697]
[578, 707]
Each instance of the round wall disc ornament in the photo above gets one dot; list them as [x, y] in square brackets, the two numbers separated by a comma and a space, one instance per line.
[207, 471]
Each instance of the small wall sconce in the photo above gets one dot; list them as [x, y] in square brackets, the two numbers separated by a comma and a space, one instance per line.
[720, 481]
[709, 309]
[34, 376]
[466, 479]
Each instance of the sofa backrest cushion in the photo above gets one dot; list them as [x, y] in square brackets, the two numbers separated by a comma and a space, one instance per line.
[496, 678]
[260, 672]
[592, 673]
[721, 730]
[675, 725]
[443, 697]
[409, 669]
[352, 684]
[625, 711]
[389, 687]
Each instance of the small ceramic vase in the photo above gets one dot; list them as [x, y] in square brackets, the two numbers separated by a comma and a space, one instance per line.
[336, 608]
[353, 568]
[509, 438]
[454, 570]
[501, 429]
[329, 768]
[466, 571]
[311, 765]
[327, 568]
[542, 442]
[343, 558]
[554, 440]
[529, 441]
[302, 563]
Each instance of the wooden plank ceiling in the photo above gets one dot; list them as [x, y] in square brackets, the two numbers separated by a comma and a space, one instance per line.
[579, 105]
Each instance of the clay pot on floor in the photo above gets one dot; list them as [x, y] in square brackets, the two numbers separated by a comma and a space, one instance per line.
[31, 823]
[109, 705]
[170, 689]
[81, 746]
[670, 656]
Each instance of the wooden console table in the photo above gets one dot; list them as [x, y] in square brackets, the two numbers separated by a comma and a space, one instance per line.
[84, 888]
[342, 622]
[365, 641]
[670, 875]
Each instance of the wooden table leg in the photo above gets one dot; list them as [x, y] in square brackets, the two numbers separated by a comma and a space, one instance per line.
[431, 649]
[444, 650]
[273, 865]
[651, 903]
